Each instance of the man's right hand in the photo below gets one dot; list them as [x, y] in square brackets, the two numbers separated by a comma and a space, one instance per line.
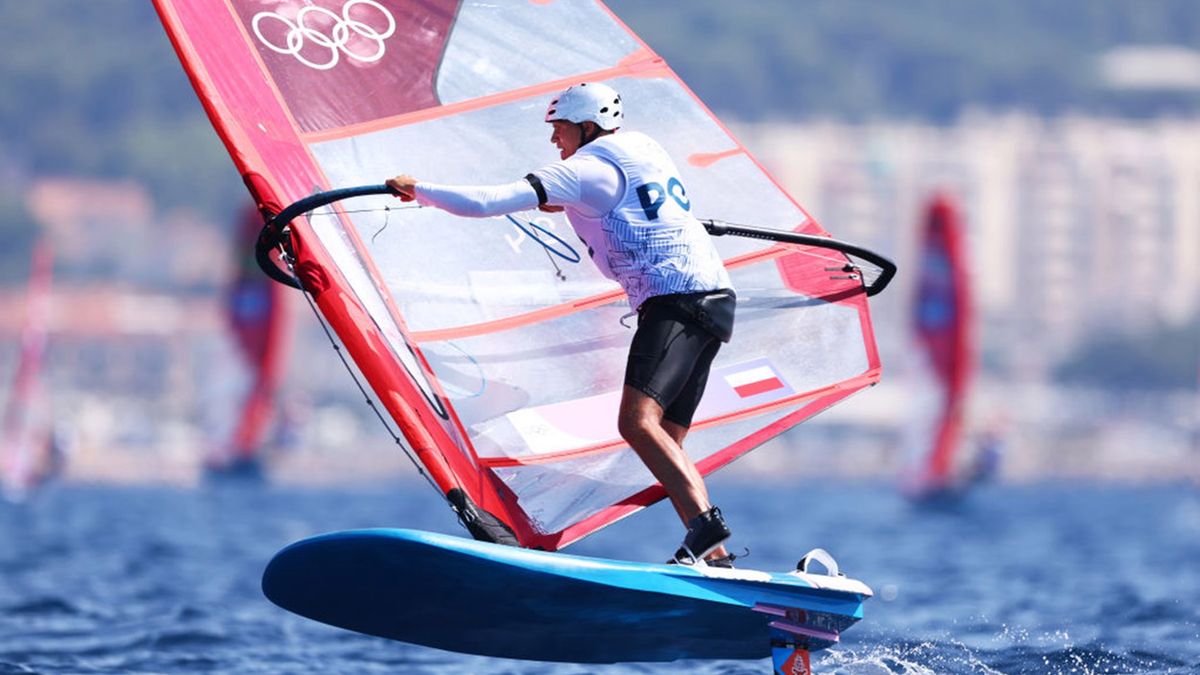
[405, 187]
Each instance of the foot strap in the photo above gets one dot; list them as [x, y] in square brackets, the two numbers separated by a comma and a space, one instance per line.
[819, 555]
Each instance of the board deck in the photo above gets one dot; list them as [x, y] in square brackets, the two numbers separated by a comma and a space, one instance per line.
[479, 598]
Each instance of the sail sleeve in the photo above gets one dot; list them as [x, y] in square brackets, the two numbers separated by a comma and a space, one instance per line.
[495, 345]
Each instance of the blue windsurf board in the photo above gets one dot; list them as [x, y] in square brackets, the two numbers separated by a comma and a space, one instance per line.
[480, 598]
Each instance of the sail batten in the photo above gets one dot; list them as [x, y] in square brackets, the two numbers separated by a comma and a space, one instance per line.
[641, 65]
[499, 362]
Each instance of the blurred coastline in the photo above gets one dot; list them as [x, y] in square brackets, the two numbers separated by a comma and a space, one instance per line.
[1069, 135]
[1079, 227]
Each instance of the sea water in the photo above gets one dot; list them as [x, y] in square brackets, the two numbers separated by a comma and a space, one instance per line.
[1047, 578]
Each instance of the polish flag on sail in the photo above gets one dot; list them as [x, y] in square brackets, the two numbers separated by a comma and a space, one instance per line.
[747, 383]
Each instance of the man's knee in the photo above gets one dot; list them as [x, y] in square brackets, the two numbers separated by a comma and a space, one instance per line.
[634, 424]
[639, 415]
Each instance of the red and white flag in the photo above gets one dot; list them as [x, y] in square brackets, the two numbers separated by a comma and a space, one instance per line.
[753, 381]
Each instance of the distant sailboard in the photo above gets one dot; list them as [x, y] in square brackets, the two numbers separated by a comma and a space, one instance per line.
[27, 445]
[496, 352]
[936, 461]
[258, 317]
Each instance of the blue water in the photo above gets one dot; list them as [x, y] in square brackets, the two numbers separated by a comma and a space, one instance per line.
[1054, 578]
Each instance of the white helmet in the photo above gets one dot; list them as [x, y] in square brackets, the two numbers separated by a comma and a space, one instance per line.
[588, 102]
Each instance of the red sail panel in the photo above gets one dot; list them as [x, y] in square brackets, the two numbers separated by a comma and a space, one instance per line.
[316, 93]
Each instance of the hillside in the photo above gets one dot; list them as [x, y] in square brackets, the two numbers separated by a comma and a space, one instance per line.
[93, 88]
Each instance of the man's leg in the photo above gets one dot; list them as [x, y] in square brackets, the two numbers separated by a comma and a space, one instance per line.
[669, 359]
[678, 432]
[659, 444]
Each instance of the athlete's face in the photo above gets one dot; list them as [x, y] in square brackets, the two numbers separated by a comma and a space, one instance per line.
[568, 136]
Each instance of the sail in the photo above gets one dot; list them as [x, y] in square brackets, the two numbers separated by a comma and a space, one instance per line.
[256, 311]
[25, 429]
[945, 355]
[495, 346]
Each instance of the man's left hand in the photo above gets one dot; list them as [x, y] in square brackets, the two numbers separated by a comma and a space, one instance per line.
[405, 187]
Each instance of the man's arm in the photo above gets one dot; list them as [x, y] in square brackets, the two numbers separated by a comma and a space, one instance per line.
[587, 184]
[536, 183]
[478, 201]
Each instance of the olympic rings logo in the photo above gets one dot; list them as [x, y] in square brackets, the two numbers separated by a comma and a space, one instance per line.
[343, 30]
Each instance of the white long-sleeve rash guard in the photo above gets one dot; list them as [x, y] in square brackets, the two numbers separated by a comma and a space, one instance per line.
[586, 184]
[478, 201]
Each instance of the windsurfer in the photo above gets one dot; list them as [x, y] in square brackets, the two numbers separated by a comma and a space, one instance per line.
[623, 196]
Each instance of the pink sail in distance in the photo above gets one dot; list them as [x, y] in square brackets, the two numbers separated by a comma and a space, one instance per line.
[26, 428]
[941, 322]
[258, 315]
[500, 359]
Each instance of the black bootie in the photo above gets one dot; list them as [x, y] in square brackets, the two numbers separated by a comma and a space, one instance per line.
[705, 532]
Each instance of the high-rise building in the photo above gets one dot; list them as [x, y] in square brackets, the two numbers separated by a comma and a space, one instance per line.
[1077, 226]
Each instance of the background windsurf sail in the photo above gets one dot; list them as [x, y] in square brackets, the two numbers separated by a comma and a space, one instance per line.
[494, 346]
[944, 356]
[26, 429]
[256, 311]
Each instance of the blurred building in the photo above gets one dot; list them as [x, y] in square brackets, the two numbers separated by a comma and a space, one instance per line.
[1077, 225]
[110, 231]
[140, 356]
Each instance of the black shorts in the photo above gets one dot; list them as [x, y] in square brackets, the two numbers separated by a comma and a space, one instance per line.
[671, 354]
